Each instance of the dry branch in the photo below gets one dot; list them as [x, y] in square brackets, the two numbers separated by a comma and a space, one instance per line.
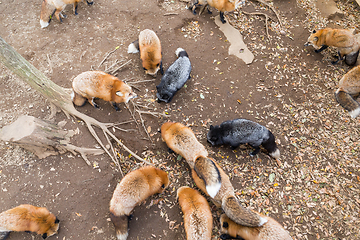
[272, 8]
[56, 94]
[266, 20]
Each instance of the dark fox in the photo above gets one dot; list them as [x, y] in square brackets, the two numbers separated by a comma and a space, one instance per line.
[242, 131]
[175, 77]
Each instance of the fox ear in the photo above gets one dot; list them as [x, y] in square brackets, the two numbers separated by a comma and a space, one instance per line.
[44, 235]
[57, 220]
[211, 127]
[314, 31]
[120, 94]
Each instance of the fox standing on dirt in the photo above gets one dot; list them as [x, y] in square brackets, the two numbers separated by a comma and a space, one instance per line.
[221, 5]
[51, 7]
[96, 84]
[182, 141]
[150, 51]
[227, 200]
[349, 91]
[132, 190]
[271, 230]
[242, 131]
[26, 217]
[347, 43]
[198, 220]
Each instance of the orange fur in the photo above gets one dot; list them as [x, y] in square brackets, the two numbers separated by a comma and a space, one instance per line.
[132, 190]
[271, 230]
[223, 5]
[226, 199]
[97, 84]
[182, 140]
[150, 51]
[198, 220]
[26, 217]
[55, 7]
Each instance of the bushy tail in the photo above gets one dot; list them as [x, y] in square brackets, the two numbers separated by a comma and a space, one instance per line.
[239, 214]
[121, 224]
[347, 102]
[77, 99]
[208, 171]
[134, 47]
[270, 146]
[180, 52]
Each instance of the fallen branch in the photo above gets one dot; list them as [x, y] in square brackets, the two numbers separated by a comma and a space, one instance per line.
[57, 95]
[114, 71]
[266, 20]
[272, 8]
[107, 55]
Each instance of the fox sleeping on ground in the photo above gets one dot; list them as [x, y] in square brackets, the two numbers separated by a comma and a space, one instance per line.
[132, 190]
[198, 220]
[182, 141]
[96, 84]
[28, 218]
[175, 77]
[349, 91]
[226, 199]
[150, 51]
[51, 7]
[242, 131]
[347, 43]
[271, 230]
[221, 5]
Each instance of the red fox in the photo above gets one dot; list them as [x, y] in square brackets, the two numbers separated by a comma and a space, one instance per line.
[271, 230]
[347, 43]
[221, 5]
[51, 7]
[150, 51]
[349, 90]
[97, 84]
[182, 140]
[26, 217]
[198, 220]
[132, 190]
[227, 200]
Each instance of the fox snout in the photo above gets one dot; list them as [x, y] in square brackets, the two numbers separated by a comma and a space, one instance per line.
[307, 44]
[131, 96]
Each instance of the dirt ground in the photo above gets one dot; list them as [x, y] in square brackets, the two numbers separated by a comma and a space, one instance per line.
[288, 88]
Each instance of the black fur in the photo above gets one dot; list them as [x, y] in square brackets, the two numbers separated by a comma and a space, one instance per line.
[351, 59]
[174, 78]
[323, 47]
[44, 236]
[242, 131]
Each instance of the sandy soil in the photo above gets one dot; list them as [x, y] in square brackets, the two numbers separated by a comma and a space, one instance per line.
[281, 85]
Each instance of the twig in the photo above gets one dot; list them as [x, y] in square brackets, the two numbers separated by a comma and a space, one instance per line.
[141, 81]
[112, 73]
[112, 149]
[107, 69]
[124, 130]
[132, 85]
[155, 114]
[273, 9]
[266, 20]
[107, 55]
[50, 64]
[168, 14]
[142, 121]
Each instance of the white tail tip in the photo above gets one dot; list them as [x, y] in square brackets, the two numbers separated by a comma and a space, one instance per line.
[122, 236]
[355, 113]
[275, 154]
[177, 52]
[213, 189]
[132, 48]
[262, 221]
[43, 24]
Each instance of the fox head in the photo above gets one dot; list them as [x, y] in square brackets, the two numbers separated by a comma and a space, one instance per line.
[214, 135]
[46, 13]
[152, 65]
[122, 92]
[313, 39]
[46, 223]
[164, 179]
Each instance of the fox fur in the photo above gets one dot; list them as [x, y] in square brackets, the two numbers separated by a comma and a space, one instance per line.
[51, 7]
[271, 230]
[349, 91]
[198, 220]
[226, 199]
[183, 141]
[241, 131]
[26, 217]
[175, 77]
[150, 51]
[132, 190]
[221, 5]
[347, 43]
[97, 84]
